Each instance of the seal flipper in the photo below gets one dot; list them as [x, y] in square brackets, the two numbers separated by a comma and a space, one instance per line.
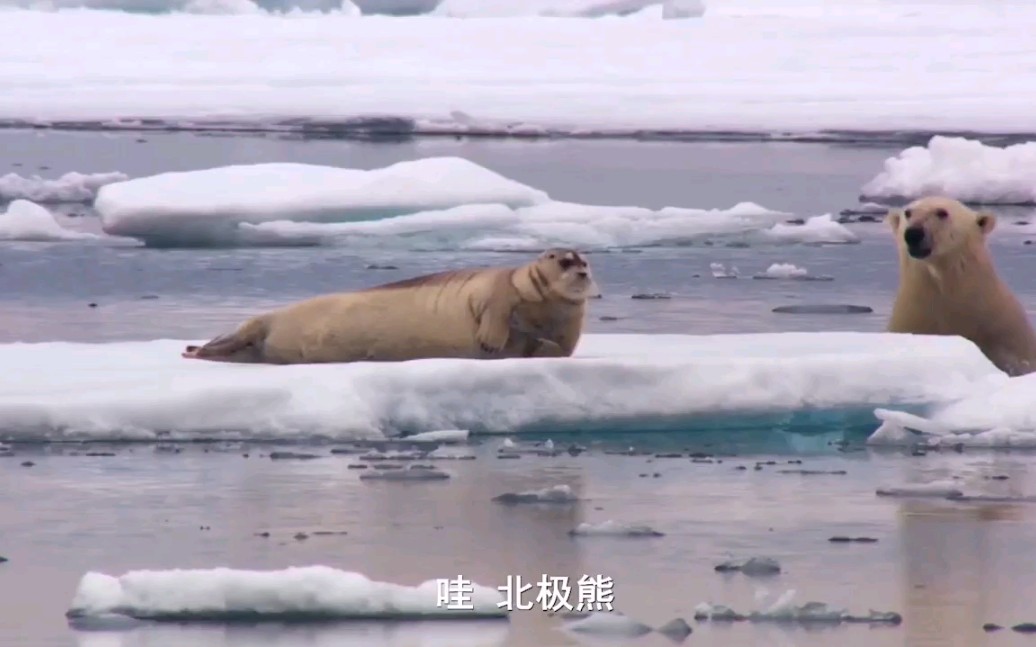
[242, 345]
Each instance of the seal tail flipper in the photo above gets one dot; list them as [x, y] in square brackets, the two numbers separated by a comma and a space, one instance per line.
[242, 345]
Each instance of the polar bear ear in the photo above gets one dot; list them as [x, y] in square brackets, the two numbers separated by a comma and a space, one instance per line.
[893, 217]
[986, 222]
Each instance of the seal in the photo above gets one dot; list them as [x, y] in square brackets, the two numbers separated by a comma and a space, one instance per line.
[534, 310]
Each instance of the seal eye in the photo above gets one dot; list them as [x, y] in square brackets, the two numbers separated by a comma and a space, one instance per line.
[566, 263]
[906, 214]
[942, 214]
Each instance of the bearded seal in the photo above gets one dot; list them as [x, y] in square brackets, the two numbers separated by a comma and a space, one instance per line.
[533, 310]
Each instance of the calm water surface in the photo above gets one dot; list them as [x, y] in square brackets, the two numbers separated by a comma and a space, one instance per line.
[947, 567]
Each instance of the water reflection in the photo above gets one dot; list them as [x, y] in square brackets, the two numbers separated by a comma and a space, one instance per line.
[440, 633]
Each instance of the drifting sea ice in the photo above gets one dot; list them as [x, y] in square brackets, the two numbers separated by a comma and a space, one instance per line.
[965, 169]
[148, 391]
[26, 221]
[223, 594]
[436, 201]
[70, 187]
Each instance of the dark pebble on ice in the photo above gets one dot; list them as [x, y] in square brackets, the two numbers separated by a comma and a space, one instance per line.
[275, 456]
[1025, 628]
[387, 466]
[508, 456]
[149, 297]
[3, 559]
[357, 466]
[575, 450]
[1028, 242]
[643, 476]
[325, 533]
[795, 221]
[28, 464]
[262, 534]
[299, 536]
[708, 461]
[375, 266]
[677, 629]
[840, 539]
[656, 475]
[823, 309]
[99, 454]
[997, 477]
[991, 626]
[741, 468]
[668, 455]
[608, 318]
[814, 472]
[92, 305]
[700, 455]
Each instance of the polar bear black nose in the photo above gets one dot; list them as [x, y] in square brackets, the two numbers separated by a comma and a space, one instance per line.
[913, 236]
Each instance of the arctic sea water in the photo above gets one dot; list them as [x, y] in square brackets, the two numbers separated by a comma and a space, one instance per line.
[948, 567]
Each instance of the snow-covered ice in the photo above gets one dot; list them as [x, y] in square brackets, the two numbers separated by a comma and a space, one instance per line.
[774, 67]
[997, 413]
[421, 203]
[69, 188]
[27, 221]
[207, 203]
[784, 610]
[965, 169]
[553, 494]
[317, 592]
[790, 272]
[62, 390]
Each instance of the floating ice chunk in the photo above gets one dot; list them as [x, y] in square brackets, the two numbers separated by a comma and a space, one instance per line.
[70, 187]
[674, 9]
[150, 392]
[788, 271]
[29, 222]
[441, 436]
[408, 473]
[207, 206]
[961, 168]
[610, 623]
[753, 566]
[222, 7]
[785, 611]
[552, 494]
[612, 528]
[934, 489]
[223, 594]
[817, 230]
[720, 271]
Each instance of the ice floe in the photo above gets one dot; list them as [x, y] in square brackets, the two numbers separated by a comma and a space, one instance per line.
[611, 528]
[965, 169]
[70, 187]
[63, 390]
[312, 592]
[27, 221]
[789, 272]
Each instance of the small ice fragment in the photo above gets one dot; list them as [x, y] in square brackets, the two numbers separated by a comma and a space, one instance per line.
[615, 529]
[553, 494]
[936, 489]
[608, 623]
[676, 629]
[719, 271]
[717, 613]
[420, 474]
[752, 566]
[442, 436]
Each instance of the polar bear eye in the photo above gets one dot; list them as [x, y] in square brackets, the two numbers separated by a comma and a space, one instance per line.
[906, 214]
[942, 214]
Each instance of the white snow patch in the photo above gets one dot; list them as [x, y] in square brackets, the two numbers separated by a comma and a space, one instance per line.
[70, 187]
[965, 169]
[647, 72]
[62, 390]
[223, 594]
[27, 221]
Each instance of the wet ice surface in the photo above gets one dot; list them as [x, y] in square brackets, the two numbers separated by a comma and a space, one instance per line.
[946, 566]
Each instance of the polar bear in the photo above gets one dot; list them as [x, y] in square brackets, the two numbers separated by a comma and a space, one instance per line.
[948, 284]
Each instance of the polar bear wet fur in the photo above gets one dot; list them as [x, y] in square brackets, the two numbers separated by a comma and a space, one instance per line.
[949, 285]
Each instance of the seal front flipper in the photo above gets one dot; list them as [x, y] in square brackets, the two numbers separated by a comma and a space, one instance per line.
[494, 329]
